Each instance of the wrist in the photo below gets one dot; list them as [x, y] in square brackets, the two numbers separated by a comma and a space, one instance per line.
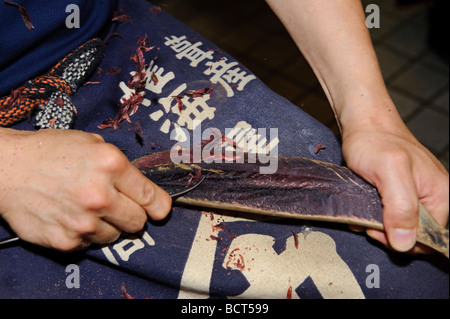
[368, 111]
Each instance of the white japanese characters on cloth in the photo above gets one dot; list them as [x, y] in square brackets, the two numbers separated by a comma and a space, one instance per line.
[192, 87]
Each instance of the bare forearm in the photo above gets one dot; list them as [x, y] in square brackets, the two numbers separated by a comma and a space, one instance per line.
[335, 40]
[376, 144]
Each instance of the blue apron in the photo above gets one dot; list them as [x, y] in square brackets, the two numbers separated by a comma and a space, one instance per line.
[203, 254]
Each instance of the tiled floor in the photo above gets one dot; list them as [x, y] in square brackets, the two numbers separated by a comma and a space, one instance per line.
[415, 76]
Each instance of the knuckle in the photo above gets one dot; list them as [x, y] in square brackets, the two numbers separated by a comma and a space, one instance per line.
[65, 244]
[111, 159]
[110, 239]
[148, 193]
[106, 236]
[93, 198]
[137, 224]
[396, 157]
[406, 207]
[84, 226]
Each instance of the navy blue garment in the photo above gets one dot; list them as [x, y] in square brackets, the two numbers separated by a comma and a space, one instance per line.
[25, 54]
[204, 254]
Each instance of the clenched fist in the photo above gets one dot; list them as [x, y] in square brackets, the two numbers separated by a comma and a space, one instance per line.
[68, 189]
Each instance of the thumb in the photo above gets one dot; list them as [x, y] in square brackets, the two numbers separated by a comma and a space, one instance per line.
[400, 204]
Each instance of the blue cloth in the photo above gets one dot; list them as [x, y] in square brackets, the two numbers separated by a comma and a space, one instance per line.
[25, 53]
[181, 256]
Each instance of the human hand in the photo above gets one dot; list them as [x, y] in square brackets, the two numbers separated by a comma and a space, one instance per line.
[405, 173]
[68, 189]
[334, 39]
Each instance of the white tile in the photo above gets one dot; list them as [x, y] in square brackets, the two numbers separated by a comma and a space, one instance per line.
[420, 81]
[431, 129]
[441, 101]
[405, 104]
[411, 38]
[390, 63]
[432, 60]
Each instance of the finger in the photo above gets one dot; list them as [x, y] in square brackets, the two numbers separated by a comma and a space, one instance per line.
[124, 214]
[133, 184]
[381, 237]
[400, 204]
[378, 235]
[81, 233]
[105, 233]
[357, 229]
[433, 191]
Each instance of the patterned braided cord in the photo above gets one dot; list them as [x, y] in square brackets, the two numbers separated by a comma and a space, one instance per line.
[49, 94]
